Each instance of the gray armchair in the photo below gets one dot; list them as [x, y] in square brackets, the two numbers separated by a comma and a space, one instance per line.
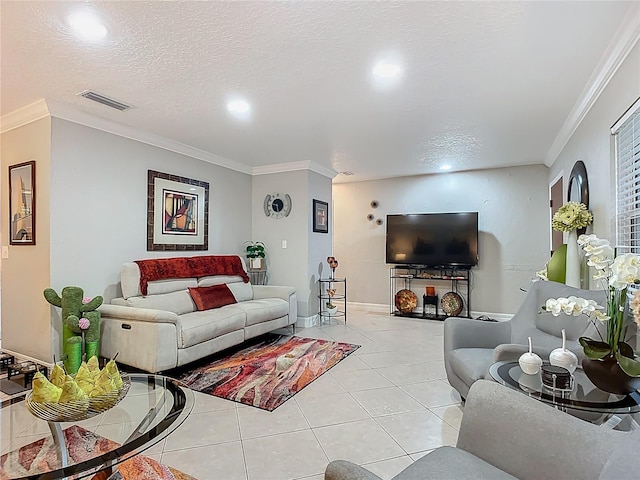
[506, 435]
[471, 346]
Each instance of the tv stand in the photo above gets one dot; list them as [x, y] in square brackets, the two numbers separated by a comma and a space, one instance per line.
[455, 279]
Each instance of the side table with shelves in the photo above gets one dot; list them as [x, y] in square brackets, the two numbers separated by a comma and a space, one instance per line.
[402, 277]
[340, 285]
[258, 276]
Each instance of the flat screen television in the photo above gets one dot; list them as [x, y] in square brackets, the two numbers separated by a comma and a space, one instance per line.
[433, 239]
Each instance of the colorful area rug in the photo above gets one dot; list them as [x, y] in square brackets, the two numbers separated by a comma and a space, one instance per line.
[267, 374]
[40, 457]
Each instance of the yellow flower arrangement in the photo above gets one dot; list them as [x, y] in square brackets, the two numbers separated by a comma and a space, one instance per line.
[571, 216]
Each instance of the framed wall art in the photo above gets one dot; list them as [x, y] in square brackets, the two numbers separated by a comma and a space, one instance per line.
[177, 213]
[320, 216]
[22, 203]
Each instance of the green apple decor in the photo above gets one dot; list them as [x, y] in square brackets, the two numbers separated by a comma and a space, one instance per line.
[80, 325]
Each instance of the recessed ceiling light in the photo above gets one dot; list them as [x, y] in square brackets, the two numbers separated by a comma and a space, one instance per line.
[86, 26]
[387, 70]
[346, 172]
[445, 167]
[238, 106]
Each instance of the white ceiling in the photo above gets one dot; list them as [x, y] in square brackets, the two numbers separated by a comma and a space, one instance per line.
[485, 84]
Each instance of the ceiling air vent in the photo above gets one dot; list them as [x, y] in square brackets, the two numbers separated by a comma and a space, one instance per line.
[109, 102]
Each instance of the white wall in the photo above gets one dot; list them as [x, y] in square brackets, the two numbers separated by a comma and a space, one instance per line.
[26, 326]
[99, 205]
[513, 221]
[297, 265]
[320, 244]
[592, 143]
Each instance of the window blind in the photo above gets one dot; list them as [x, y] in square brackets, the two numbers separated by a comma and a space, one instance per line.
[627, 151]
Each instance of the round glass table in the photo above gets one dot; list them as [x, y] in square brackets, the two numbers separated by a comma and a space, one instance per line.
[583, 396]
[35, 449]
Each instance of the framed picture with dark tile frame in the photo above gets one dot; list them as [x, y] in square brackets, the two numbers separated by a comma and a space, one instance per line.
[22, 203]
[177, 213]
[320, 216]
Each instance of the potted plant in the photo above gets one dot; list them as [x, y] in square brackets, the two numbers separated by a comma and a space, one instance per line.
[330, 307]
[611, 362]
[255, 252]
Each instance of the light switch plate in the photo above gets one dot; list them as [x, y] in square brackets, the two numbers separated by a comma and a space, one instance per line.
[5, 252]
[284, 244]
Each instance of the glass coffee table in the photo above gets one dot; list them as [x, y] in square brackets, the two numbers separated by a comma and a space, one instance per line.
[32, 448]
[582, 397]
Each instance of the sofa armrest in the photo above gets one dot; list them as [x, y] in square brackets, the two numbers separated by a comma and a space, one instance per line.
[343, 470]
[141, 314]
[272, 291]
[287, 294]
[529, 439]
[468, 333]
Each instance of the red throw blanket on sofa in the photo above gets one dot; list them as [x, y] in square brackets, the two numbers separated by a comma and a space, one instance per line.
[189, 267]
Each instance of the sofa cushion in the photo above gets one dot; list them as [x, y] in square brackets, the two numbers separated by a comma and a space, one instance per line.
[219, 280]
[471, 364]
[243, 292]
[159, 287]
[574, 326]
[130, 283]
[189, 267]
[198, 327]
[265, 309]
[215, 296]
[176, 302]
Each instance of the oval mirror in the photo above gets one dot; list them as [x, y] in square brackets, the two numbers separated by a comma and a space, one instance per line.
[579, 187]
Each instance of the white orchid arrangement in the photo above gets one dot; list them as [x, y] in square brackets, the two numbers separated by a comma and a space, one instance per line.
[614, 275]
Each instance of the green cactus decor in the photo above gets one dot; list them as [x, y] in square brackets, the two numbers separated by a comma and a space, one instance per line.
[80, 324]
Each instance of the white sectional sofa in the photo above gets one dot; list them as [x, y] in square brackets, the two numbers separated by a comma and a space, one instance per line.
[164, 328]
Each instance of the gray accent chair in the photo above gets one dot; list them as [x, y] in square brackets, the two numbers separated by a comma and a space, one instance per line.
[506, 435]
[471, 346]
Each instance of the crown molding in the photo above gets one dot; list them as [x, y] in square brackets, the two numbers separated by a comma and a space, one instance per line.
[294, 167]
[614, 56]
[66, 112]
[43, 108]
[22, 116]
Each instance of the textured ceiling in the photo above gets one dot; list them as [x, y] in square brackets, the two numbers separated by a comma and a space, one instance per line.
[485, 84]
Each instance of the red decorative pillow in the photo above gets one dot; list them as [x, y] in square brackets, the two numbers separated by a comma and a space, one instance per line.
[214, 296]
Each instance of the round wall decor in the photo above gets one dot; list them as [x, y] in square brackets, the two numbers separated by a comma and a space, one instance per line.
[406, 301]
[451, 304]
[277, 205]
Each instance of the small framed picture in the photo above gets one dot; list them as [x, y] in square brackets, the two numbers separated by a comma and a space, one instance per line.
[22, 203]
[320, 216]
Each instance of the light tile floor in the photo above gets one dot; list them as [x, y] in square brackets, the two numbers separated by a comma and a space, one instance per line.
[383, 407]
